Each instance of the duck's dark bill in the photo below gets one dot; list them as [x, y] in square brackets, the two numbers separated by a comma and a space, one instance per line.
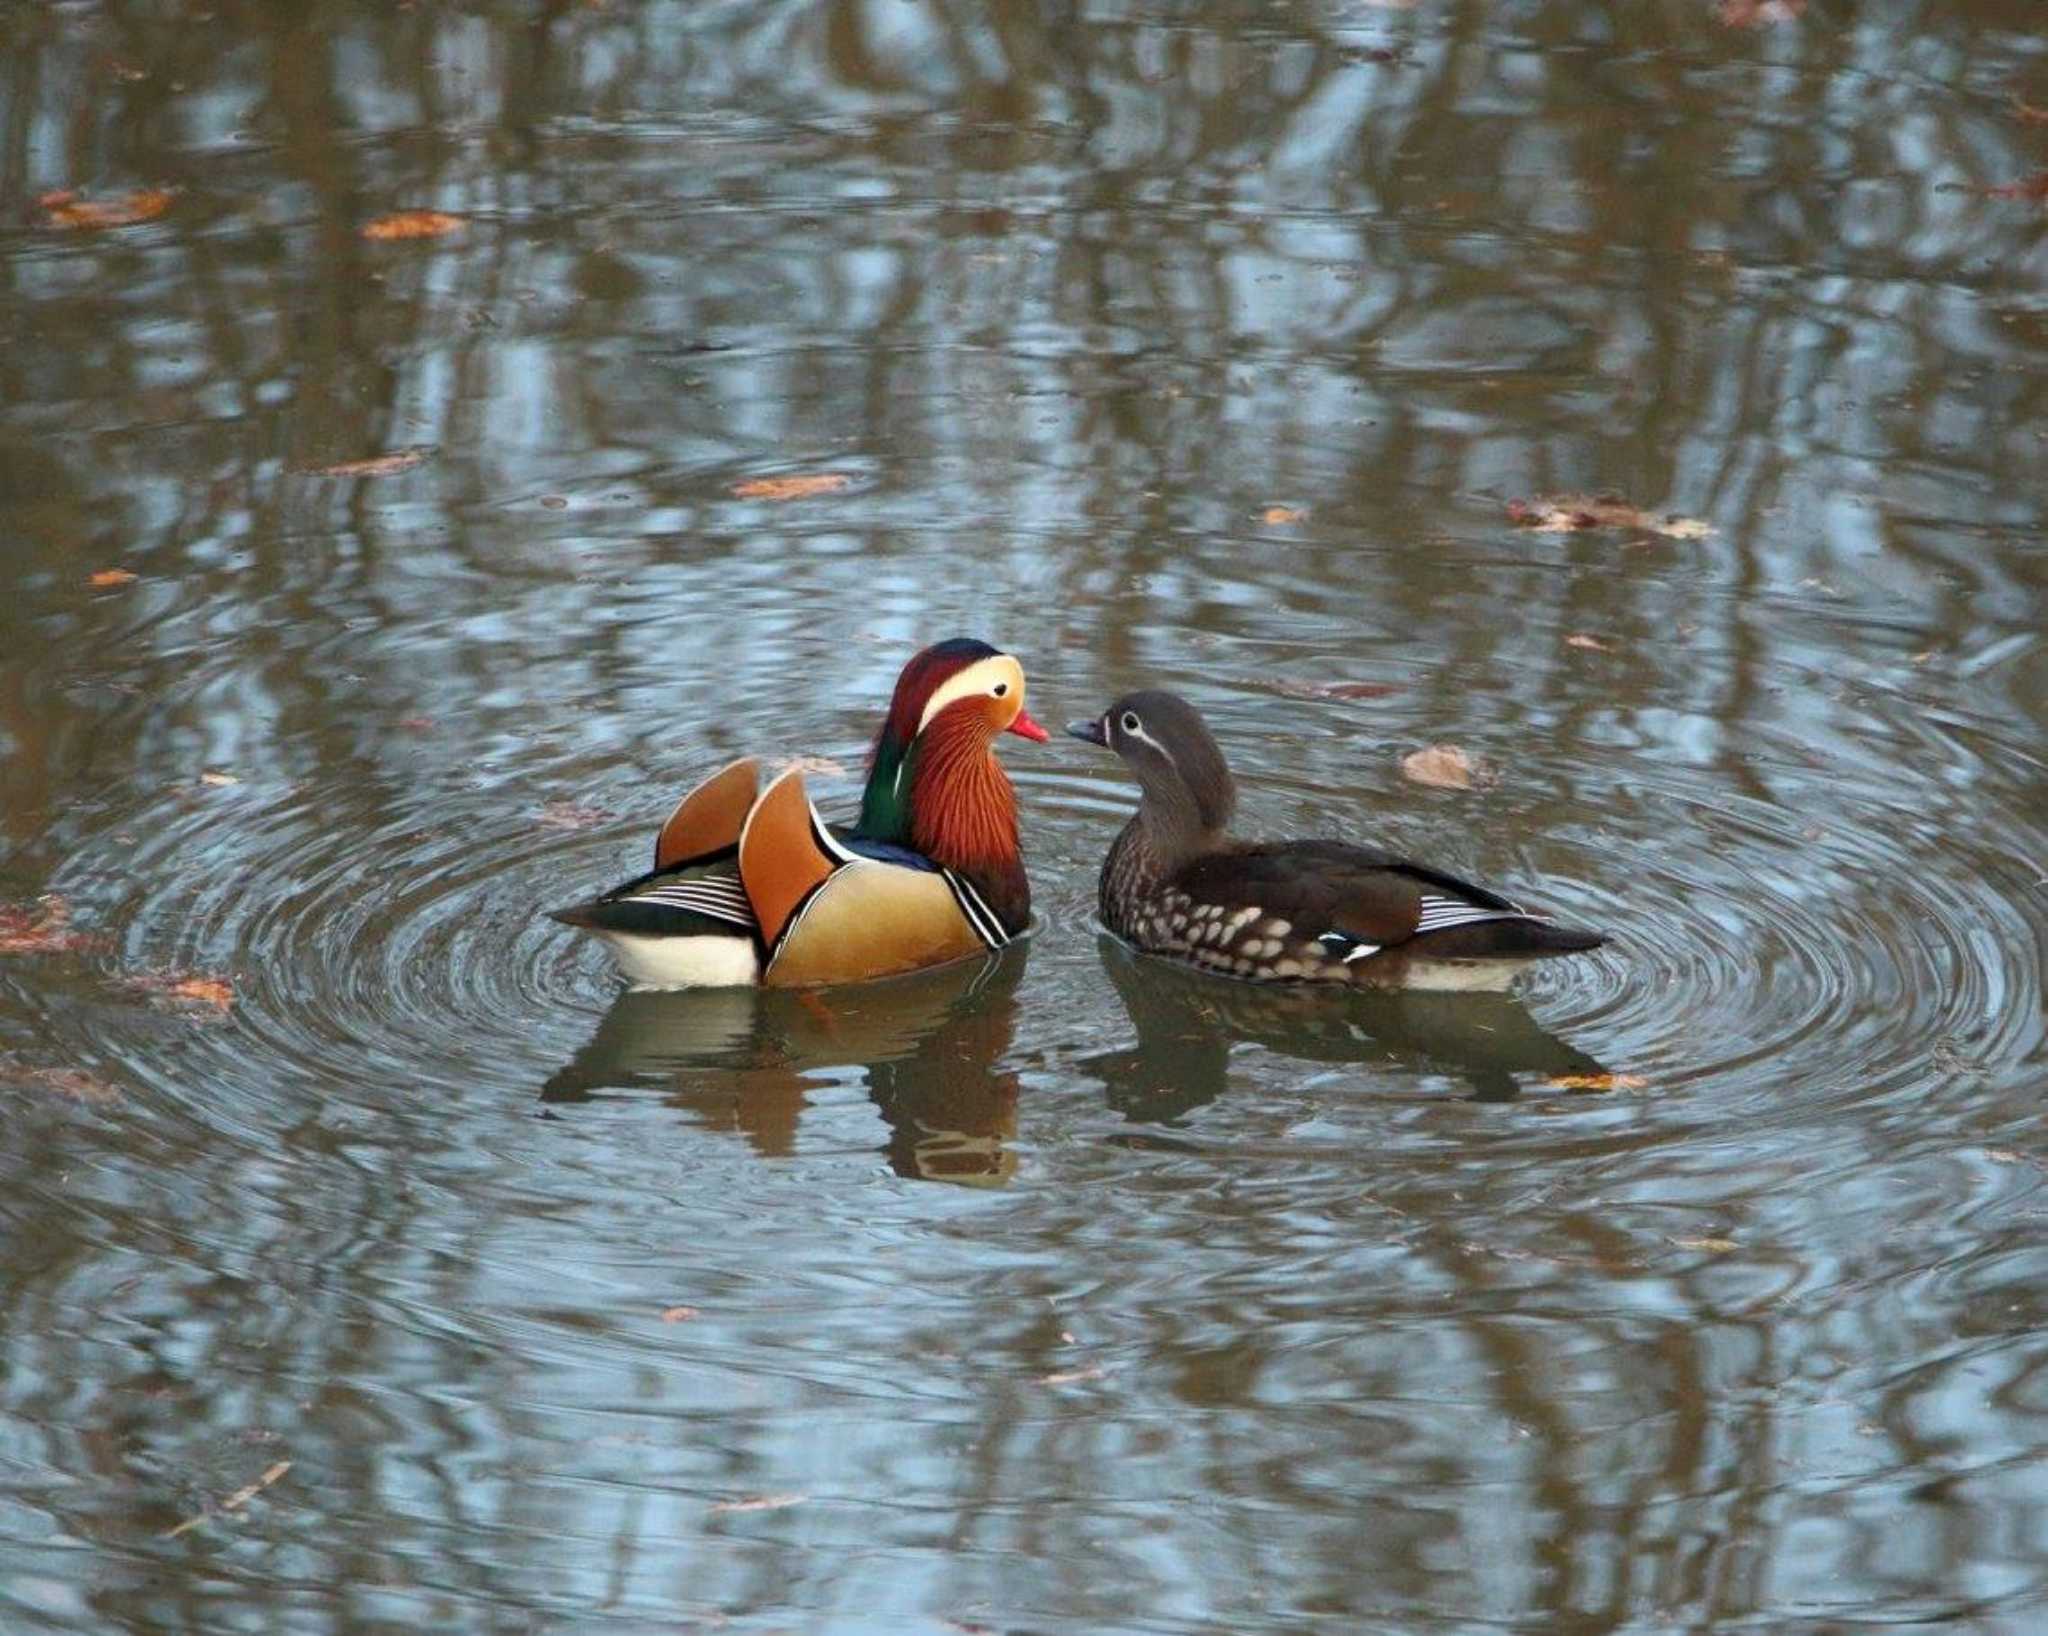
[1089, 731]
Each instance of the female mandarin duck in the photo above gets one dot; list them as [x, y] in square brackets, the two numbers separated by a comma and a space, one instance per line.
[752, 886]
[1176, 884]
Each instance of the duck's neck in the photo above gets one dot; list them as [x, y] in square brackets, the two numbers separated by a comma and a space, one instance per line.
[1162, 838]
[962, 814]
[885, 803]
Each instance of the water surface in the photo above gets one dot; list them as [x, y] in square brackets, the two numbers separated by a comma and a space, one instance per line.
[1699, 1287]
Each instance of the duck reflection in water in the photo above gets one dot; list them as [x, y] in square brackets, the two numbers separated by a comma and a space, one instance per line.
[931, 1045]
[1187, 1021]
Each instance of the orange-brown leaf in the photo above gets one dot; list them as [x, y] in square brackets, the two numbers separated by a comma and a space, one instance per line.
[377, 465]
[573, 815]
[107, 577]
[2028, 113]
[1579, 639]
[1278, 516]
[1568, 513]
[800, 487]
[412, 224]
[677, 1315]
[1756, 13]
[185, 990]
[1441, 766]
[73, 1083]
[1598, 1082]
[2033, 187]
[42, 927]
[65, 209]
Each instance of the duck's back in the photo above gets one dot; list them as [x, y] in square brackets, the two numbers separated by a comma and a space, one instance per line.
[1326, 911]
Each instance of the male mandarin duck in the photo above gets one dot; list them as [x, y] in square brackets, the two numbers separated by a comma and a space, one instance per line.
[751, 886]
[1176, 884]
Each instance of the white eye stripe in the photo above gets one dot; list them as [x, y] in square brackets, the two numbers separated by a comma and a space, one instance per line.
[1140, 734]
[981, 677]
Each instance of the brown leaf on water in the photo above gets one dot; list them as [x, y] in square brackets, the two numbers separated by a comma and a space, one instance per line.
[1280, 516]
[1335, 690]
[813, 766]
[1442, 767]
[1598, 1082]
[761, 1502]
[1758, 13]
[74, 1083]
[1579, 639]
[1069, 1377]
[800, 487]
[1719, 1246]
[188, 991]
[2034, 187]
[108, 577]
[2027, 113]
[574, 815]
[235, 1501]
[42, 927]
[1568, 513]
[218, 780]
[678, 1315]
[65, 209]
[412, 224]
[377, 465]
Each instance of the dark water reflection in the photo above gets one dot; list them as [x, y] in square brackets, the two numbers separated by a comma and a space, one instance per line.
[1242, 1314]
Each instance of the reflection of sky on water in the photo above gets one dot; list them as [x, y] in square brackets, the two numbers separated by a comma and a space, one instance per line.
[1073, 301]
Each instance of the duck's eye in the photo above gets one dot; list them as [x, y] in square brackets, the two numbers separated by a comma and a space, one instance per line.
[1001, 688]
[1130, 723]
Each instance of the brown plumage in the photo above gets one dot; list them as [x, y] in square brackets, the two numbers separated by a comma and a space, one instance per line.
[1176, 883]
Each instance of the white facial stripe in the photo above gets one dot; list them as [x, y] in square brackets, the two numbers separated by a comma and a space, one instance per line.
[1139, 733]
[980, 678]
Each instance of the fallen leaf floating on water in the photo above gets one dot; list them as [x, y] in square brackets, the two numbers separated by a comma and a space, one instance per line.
[792, 488]
[377, 465]
[1757, 13]
[219, 781]
[1719, 1246]
[73, 1083]
[1335, 690]
[185, 991]
[1579, 639]
[1597, 1082]
[108, 577]
[1442, 767]
[1069, 1377]
[412, 224]
[813, 767]
[1568, 513]
[2034, 187]
[235, 1501]
[678, 1315]
[42, 927]
[65, 209]
[2003, 1156]
[573, 815]
[761, 1502]
[1278, 516]
[2028, 113]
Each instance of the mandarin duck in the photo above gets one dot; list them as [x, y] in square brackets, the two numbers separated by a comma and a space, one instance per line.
[1175, 883]
[751, 886]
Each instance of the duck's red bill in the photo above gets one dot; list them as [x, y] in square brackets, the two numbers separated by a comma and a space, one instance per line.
[1025, 727]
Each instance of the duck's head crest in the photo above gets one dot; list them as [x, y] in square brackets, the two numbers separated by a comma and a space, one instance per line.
[1165, 742]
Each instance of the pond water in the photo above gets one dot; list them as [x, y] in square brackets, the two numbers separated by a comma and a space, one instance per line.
[368, 1263]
